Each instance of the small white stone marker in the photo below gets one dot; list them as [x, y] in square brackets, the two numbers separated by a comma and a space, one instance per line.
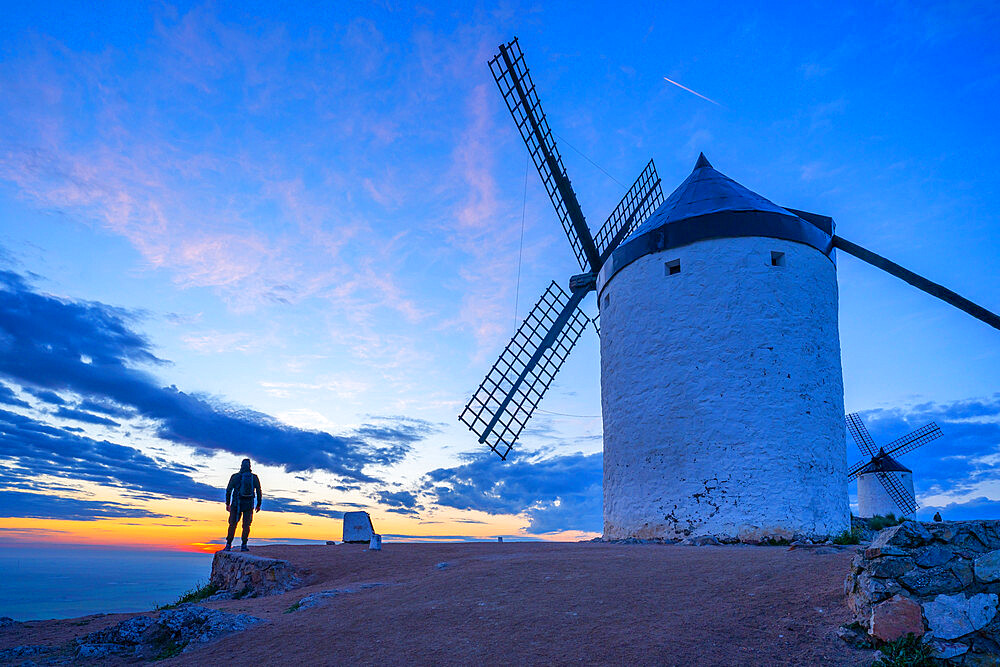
[376, 543]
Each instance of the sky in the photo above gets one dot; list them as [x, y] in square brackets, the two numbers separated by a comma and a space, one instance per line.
[303, 234]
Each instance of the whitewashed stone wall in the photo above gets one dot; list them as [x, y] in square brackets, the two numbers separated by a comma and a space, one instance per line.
[722, 394]
[873, 500]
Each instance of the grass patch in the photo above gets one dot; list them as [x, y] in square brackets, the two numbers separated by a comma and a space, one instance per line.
[906, 651]
[247, 590]
[166, 646]
[294, 607]
[878, 522]
[852, 536]
[196, 594]
[171, 649]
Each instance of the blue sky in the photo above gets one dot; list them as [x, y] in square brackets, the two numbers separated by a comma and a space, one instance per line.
[295, 233]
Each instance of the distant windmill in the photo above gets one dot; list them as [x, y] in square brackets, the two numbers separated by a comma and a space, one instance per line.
[885, 486]
[721, 385]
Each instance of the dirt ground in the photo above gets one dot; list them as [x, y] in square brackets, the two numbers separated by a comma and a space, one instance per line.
[535, 603]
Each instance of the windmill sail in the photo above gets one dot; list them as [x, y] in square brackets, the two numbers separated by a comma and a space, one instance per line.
[508, 396]
[515, 385]
[919, 282]
[908, 443]
[899, 495]
[856, 468]
[860, 434]
[638, 203]
[518, 90]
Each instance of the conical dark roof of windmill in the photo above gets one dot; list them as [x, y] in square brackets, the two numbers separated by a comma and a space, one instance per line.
[883, 463]
[709, 204]
[704, 192]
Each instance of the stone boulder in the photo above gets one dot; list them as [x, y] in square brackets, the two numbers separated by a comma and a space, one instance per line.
[358, 527]
[896, 617]
[987, 567]
[239, 574]
[908, 534]
[933, 556]
[953, 616]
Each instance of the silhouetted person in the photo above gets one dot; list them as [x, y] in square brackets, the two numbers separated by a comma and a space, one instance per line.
[937, 516]
[243, 486]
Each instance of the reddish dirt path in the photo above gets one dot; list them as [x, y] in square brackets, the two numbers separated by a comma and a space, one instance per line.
[523, 603]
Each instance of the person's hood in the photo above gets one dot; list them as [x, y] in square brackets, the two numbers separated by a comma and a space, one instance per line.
[245, 466]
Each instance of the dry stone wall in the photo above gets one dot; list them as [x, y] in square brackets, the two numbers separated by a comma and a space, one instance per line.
[939, 581]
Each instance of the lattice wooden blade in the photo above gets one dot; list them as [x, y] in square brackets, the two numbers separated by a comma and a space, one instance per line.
[899, 495]
[508, 396]
[909, 442]
[638, 203]
[853, 470]
[860, 434]
[518, 90]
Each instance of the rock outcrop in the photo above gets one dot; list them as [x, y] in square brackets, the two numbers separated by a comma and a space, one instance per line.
[940, 581]
[172, 632]
[316, 599]
[239, 574]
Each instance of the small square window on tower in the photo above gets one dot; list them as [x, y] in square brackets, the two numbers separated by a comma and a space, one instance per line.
[777, 258]
[672, 267]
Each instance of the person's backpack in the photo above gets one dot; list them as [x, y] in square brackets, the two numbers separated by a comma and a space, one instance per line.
[246, 485]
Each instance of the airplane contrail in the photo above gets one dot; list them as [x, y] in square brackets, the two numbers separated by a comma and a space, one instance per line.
[694, 93]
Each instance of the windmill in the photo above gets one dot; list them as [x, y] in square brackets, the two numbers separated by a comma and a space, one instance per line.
[885, 486]
[721, 384]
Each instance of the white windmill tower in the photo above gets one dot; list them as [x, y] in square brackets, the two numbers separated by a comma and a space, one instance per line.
[721, 385]
[721, 382]
[885, 486]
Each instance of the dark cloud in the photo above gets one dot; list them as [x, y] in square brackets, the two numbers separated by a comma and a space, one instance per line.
[400, 502]
[39, 449]
[81, 416]
[26, 505]
[313, 509]
[90, 349]
[33, 449]
[8, 397]
[46, 396]
[398, 499]
[554, 493]
[105, 407]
